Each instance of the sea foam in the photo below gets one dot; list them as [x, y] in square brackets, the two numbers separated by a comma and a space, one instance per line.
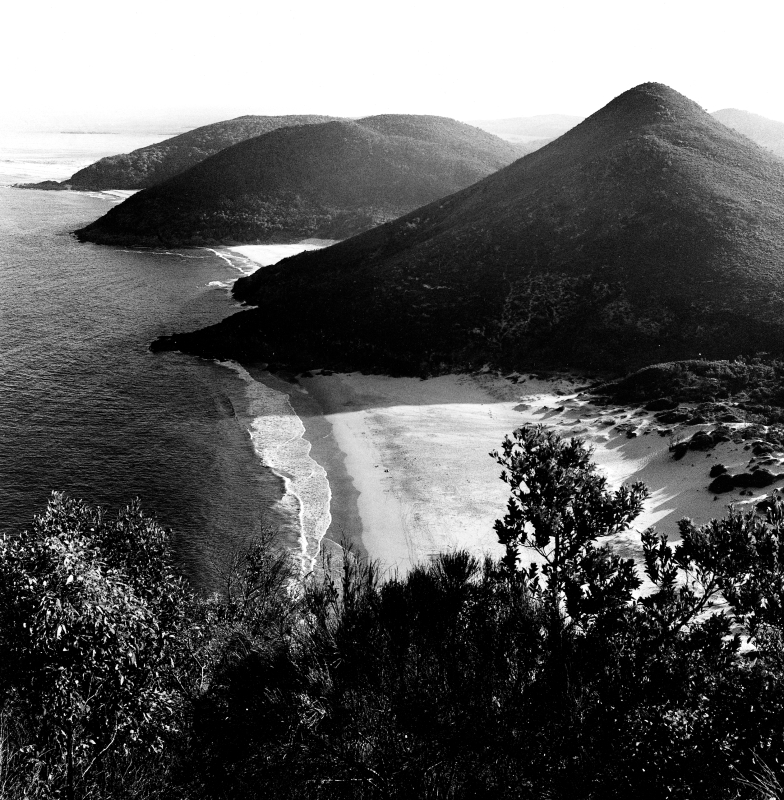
[277, 434]
[246, 259]
[265, 255]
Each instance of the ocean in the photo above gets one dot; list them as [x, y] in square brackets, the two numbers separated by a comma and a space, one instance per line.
[86, 409]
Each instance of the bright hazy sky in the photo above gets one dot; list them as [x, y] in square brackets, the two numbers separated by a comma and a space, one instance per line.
[67, 63]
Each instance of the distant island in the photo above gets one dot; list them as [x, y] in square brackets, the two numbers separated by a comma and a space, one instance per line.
[533, 132]
[158, 162]
[330, 181]
[646, 233]
[95, 133]
[537, 131]
[765, 132]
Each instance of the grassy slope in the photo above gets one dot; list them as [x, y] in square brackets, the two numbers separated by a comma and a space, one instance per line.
[648, 232]
[158, 162]
[331, 180]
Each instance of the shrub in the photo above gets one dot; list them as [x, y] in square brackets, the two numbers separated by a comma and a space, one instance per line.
[90, 608]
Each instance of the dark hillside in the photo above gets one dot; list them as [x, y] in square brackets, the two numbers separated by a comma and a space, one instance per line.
[649, 232]
[157, 162]
[746, 389]
[765, 132]
[331, 181]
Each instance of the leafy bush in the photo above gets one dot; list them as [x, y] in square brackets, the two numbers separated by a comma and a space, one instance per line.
[462, 679]
[90, 609]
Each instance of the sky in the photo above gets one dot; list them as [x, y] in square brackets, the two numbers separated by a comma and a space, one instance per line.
[93, 64]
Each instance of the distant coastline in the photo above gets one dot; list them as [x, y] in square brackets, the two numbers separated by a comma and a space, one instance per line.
[116, 133]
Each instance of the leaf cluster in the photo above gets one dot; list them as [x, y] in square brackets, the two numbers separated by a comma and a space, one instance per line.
[90, 608]
[559, 506]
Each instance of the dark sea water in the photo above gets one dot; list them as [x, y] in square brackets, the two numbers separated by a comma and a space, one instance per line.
[85, 408]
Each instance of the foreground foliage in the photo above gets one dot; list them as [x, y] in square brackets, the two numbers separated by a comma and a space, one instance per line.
[90, 615]
[462, 679]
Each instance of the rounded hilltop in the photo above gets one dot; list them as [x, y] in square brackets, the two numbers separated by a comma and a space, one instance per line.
[650, 101]
[648, 232]
[330, 181]
[157, 162]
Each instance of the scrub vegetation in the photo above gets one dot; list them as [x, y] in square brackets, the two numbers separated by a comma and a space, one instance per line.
[559, 671]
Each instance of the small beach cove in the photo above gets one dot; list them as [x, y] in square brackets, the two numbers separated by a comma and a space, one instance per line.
[410, 474]
[400, 468]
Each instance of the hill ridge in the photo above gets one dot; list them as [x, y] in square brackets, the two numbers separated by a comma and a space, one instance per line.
[157, 162]
[330, 180]
[649, 232]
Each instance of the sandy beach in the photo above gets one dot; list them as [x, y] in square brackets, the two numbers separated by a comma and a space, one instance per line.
[413, 475]
[265, 255]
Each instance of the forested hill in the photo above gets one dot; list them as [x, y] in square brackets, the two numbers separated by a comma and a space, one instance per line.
[330, 181]
[648, 232]
[157, 162]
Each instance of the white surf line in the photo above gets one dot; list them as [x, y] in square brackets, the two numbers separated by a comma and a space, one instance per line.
[266, 255]
[247, 259]
[119, 194]
[154, 252]
[277, 434]
[115, 196]
[221, 255]
[232, 259]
